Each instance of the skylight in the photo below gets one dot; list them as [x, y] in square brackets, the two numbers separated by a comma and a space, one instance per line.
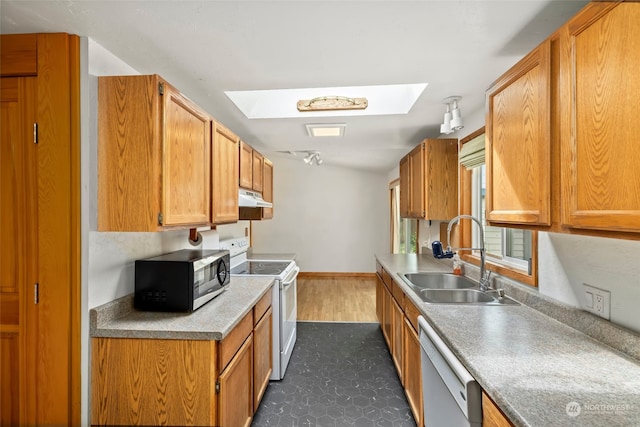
[281, 103]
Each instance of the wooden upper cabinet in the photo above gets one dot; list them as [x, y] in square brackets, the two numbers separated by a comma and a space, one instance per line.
[429, 180]
[599, 61]
[405, 192]
[416, 178]
[518, 142]
[267, 193]
[246, 166]
[258, 172]
[154, 156]
[224, 175]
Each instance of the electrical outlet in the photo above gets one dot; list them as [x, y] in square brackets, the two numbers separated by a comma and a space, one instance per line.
[597, 301]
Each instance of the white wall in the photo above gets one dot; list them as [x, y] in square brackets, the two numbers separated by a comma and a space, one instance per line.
[334, 219]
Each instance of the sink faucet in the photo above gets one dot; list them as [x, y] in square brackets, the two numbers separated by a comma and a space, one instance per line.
[438, 253]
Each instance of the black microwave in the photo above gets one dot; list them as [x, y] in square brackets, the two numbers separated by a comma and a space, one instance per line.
[180, 281]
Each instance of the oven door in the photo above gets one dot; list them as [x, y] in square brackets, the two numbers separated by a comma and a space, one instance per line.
[288, 313]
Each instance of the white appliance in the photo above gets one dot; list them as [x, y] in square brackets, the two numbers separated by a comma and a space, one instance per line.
[283, 302]
[452, 397]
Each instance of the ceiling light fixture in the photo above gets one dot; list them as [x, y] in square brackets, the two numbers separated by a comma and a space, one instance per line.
[330, 103]
[311, 157]
[452, 118]
[325, 129]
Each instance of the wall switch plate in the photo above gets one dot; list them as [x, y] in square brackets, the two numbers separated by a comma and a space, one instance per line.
[597, 301]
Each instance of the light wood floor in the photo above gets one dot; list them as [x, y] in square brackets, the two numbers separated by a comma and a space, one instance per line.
[337, 299]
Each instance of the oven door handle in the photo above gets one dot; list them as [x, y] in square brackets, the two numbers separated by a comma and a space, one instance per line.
[291, 277]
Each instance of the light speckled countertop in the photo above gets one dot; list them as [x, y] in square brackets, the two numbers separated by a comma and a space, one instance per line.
[212, 321]
[530, 364]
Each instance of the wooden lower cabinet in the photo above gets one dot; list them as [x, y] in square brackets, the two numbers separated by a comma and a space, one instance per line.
[379, 299]
[398, 327]
[262, 356]
[491, 415]
[399, 320]
[412, 375]
[137, 381]
[235, 398]
[153, 382]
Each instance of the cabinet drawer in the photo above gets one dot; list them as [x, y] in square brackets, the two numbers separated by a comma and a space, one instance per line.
[386, 278]
[230, 345]
[398, 294]
[262, 306]
[411, 312]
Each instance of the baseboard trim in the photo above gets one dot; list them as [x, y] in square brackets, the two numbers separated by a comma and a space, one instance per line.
[327, 275]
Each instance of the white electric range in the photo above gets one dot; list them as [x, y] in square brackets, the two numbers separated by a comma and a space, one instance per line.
[283, 302]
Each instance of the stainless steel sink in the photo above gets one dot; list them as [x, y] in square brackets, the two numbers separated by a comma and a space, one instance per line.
[447, 288]
[463, 296]
[438, 281]
[455, 296]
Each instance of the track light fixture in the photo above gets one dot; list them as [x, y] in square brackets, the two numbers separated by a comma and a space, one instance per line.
[452, 118]
[311, 157]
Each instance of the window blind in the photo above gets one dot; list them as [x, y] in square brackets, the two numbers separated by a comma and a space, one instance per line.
[472, 153]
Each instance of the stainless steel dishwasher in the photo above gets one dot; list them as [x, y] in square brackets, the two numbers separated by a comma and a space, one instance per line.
[452, 397]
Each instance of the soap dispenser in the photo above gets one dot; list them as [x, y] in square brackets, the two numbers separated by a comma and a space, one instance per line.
[457, 265]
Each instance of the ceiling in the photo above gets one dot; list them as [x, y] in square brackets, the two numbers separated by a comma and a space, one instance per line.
[208, 47]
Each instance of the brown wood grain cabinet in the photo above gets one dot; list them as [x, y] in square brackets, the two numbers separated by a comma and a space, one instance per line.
[429, 180]
[235, 398]
[258, 172]
[262, 356]
[246, 166]
[399, 321]
[561, 130]
[154, 156]
[518, 142]
[267, 192]
[397, 325]
[491, 415]
[412, 375]
[405, 187]
[599, 128]
[184, 382]
[224, 175]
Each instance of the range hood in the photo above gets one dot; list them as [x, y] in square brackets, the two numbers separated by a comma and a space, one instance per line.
[251, 199]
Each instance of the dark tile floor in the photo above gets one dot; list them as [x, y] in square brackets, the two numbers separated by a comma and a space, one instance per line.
[340, 374]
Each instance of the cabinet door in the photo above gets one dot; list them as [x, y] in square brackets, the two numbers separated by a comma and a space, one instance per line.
[387, 316]
[379, 299]
[267, 192]
[416, 170]
[518, 142]
[262, 356]
[235, 399]
[258, 171]
[246, 166]
[186, 161]
[599, 61]
[491, 415]
[396, 337]
[224, 179]
[405, 187]
[440, 179]
[412, 371]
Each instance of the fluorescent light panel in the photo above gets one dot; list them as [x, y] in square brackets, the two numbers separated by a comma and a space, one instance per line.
[282, 103]
[325, 129]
